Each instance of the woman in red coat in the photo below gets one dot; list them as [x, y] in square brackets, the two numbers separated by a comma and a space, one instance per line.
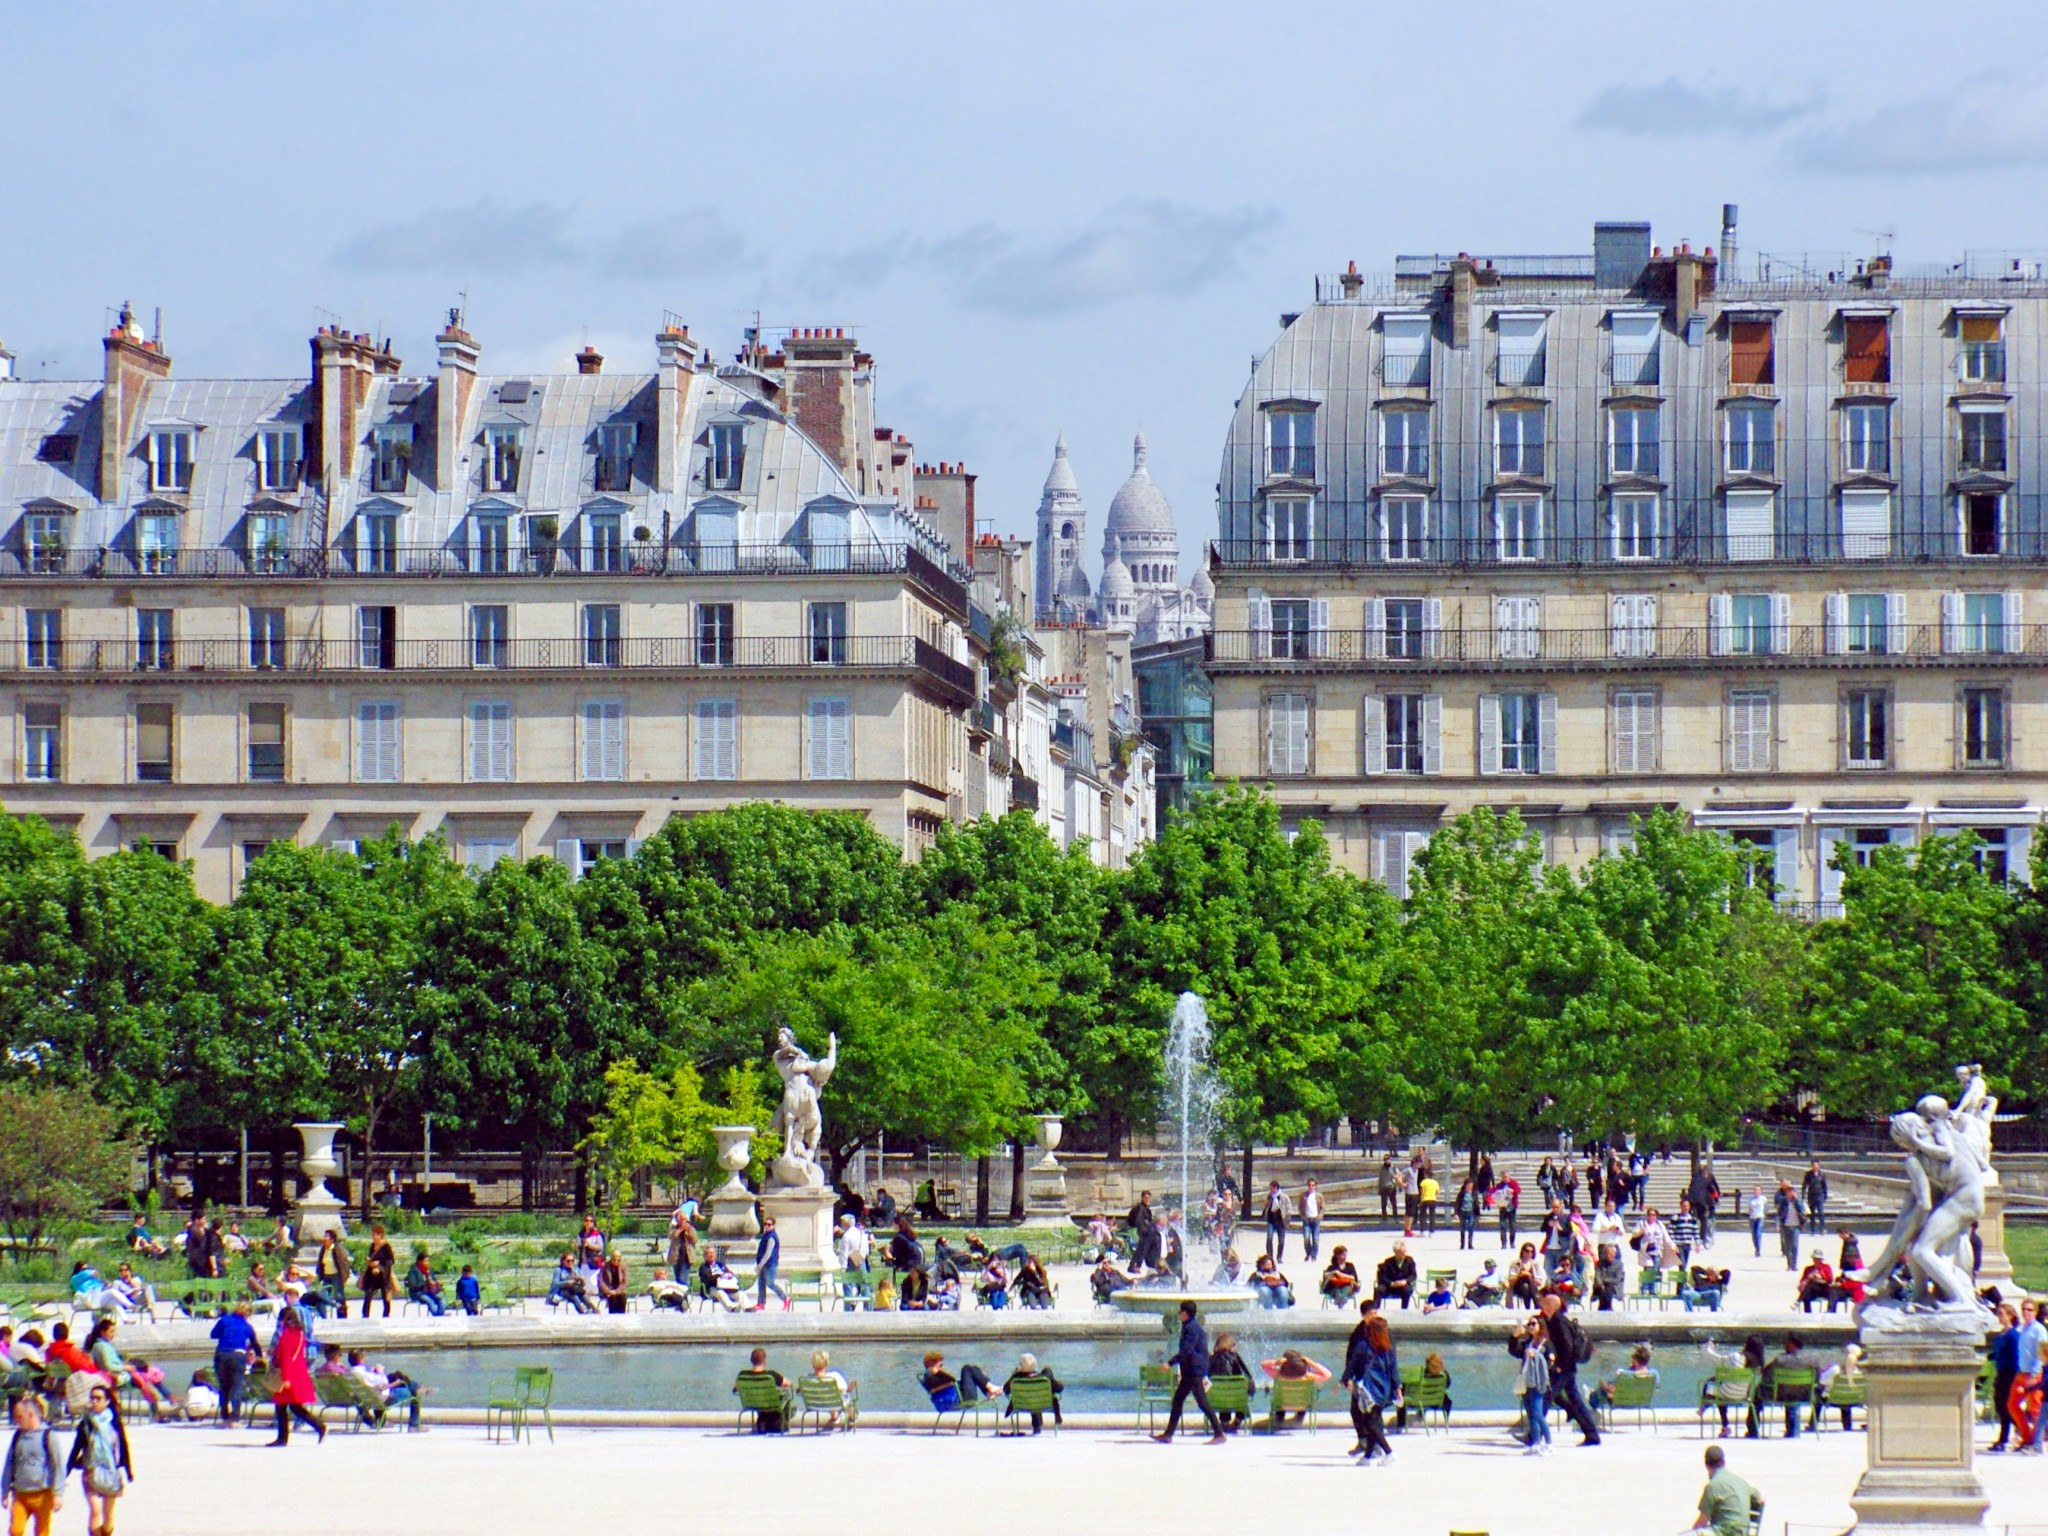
[293, 1397]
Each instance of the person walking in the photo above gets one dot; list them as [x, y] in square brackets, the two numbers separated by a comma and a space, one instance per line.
[99, 1455]
[1685, 1230]
[1191, 1357]
[291, 1379]
[1704, 1191]
[1533, 1383]
[2005, 1365]
[1813, 1190]
[1507, 1209]
[1466, 1204]
[1311, 1221]
[31, 1478]
[234, 1346]
[2025, 1397]
[1756, 1210]
[1144, 1225]
[1390, 1187]
[1277, 1213]
[767, 1260]
[1569, 1349]
[1790, 1218]
[1411, 1196]
[1374, 1377]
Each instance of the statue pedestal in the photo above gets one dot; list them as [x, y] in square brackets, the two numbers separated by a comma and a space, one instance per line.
[1996, 1268]
[1045, 1195]
[1922, 1371]
[803, 1220]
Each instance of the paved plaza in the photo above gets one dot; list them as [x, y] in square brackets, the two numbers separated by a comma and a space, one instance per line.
[453, 1482]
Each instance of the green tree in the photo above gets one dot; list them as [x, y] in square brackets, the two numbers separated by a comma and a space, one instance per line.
[1285, 950]
[1915, 977]
[63, 1155]
[654, 1123]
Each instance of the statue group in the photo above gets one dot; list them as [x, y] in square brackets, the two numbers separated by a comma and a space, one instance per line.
[798, 1118]
[1948, 1166]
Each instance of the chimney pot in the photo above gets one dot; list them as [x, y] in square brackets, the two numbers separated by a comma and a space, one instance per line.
[589, 360]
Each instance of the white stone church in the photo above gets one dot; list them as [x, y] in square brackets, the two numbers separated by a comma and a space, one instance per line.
[1140, 592]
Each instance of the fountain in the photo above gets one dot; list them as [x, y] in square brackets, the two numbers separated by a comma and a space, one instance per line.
[1192, 1093]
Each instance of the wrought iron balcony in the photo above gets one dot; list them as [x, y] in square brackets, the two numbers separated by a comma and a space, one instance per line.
[1605, 551]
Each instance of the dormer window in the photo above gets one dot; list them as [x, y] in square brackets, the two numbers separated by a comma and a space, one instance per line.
[728, 458]
[1521, 347]
[391, 454]
[266, 533]
[1982, 358]
[45, 536]
[277, 458]
[1291, 443]
[1635, 333]
[615, 443]
[170, 459]
[503, 451]
[156, 542]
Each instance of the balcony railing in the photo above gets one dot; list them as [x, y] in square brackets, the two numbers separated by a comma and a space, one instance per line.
[126, 659]
[1624, 648]
[116, 564]
[1682, 549]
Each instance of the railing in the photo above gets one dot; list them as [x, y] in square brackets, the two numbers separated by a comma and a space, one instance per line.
[1622, 647]
[126, 659]
[955, 678]
[1554, 550]
[110, 563]
[1023, 792]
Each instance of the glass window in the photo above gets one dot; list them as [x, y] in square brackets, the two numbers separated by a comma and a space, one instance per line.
[153, 743]
[1291, 441]
[1406, 617]
[490, 741]
[606, 548]
[717, 739]
[604, 740]
[1521, 348]
[377, 638]
[46, 639]
[1404, 715]
[170, 459]
[1868, 624]
[1521, 733]
[266, 743]
[590, 849]
[1520, 519]
[1866, 734]
[377, 741]
[602, 646]
[1518, 443]
[46, 537]
[1407, 527]
[493, 542]
[1983, 621]
[503, 448]
[1866, 439]
[277, 458]
[1293, 622]
[42, 738]
[1982, 357]
[1635, 528]
[715, 641]
[1752, 445]
[378, 535]
[155, 650]
[727, 462]
[1984, 441]
[1405, 360]
[391, 455]
[1749, 632]
[830, 745]
[1635, 334]
[1994, 852]
[1983, 519]
[1984, 743]
[1290, 528]
[266, 533]
[490, 642]
[1750, 740]
[1632, 442]
[156, 542]
[615, 444]
[1404, 444]
[266, 638]
[828, 633]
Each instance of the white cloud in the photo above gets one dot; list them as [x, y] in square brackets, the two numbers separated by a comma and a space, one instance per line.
[696, 242]
[1672, 109]
[1989, 122]
[483, 237]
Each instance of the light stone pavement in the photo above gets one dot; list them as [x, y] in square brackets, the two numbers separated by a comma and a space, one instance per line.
[207, 1482]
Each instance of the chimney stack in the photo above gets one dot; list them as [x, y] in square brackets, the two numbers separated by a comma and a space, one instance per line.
[945, 493]
[344, 367]
[458, 356]
[1464, 284]
[675, 358]
[132, 363]
[589, 360]
[818, 373]
[1728, 240]
[1350, 281]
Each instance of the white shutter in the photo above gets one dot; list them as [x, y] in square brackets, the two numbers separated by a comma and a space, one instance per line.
[1287, 734]
[490, 742]
[1546, 729]
[633, 845]
[1866, 524]
[1951, 623]
[569, 854]
[1518, 623]
[1262, 627]
[717, 739]
[1720, 624]
[1781, 623]
[1318, 628]
[1621, 637]
[831, 744]
[1830, 877]
[1432, 733]
[1376, 626]
[377, 741]
[1835, 608]
[1751, 519]
[1432, 627]
[2015, 639]
[604, 740]
[1895, 623]
[1489, 733]
[1373, 728]
[1785, 862]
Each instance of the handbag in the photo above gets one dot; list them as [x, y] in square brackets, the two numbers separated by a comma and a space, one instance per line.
[271, 1381]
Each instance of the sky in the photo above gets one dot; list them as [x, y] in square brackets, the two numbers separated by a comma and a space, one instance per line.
[1039, 218]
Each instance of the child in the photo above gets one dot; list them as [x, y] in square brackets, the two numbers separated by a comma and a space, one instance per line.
[32, 1477]
[1439, 1297]
[468, 1292]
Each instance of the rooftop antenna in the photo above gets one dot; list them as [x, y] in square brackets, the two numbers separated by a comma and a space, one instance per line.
[1880, 238]
[157, 329]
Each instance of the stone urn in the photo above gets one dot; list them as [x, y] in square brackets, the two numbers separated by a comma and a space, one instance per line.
[319, 1209]
[1049, 1129]
[732, 1203]
[1045, 1190]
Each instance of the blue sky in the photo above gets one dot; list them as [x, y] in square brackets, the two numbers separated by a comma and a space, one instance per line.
[1043, 217]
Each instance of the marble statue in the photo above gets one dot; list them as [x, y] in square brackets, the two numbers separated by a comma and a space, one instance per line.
[1948, 1165]
[798, 1117]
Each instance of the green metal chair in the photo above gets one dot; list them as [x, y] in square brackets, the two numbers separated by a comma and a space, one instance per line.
[1155, 1392]
[1987, 1376]
[818, 1400]
[969, 1410]
[1633, 1392]
[514, 1403]
[1034, 1394]
[1292, 1395]
[1428, 1394]
[350, 1396]
[1231, 1394]
[760, 1394]
[1732, 1386]
[1843, 1393]
[1794, 1388]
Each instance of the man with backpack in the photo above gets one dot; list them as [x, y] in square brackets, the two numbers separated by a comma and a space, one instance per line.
[1570, 1348]
[32, 1477]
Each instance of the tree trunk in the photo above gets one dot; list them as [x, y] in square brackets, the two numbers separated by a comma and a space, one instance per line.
[1472, 1163]
[1116, 1141]
[1245, 1184]
[1017, 1181]
[1692, 1152]
[276, 1203]
[528, 1171]
[981, 1191]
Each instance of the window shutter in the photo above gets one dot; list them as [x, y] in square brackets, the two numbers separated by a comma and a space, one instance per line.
[1546, 733]
[1836, 609]
[1621, 618]
[1951, 622]
[1621, 712]
[1830, 877]
[2015, 638]
[1432, 733]
[604, 740]
[633, 845]
[1781, 623]
[1895, 623]
[1318, 628]
[1432, 627]
[1721, 623]
[831, 746]
[1489, 733]
[717, 739]
[1373, 728]
[1785, 863]
[1262, 627]
[1376, 627]
[569, 854]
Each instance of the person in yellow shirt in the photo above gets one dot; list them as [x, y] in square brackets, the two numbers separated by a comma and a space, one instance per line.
[1429, 1190]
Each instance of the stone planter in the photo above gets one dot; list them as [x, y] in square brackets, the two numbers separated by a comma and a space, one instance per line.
[1045, 1189]
[732, 1203]
[319, 1209]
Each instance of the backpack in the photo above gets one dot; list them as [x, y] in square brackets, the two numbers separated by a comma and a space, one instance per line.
[1582, 1345]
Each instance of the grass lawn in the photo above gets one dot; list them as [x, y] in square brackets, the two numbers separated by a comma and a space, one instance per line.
[2027, 1247]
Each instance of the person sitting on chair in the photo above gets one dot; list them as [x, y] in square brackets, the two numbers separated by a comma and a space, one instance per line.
[1433, 1368]
[721, 1285]
[766, 1421]
[915, 1293]
[1105, 1279]
[1230, 1270]
[1034, 1285]
[992, 1286]
[1486, 1288]
[1524, 1283]
[1028, 1369]
[1610, 1277]
[1340, 1278]
[1638, 1367]
[1269, 1285]
[946, 1390]
[1704, 1286]
[1439, 1297]
[1293, 1365]
[1395, 1276]
[1817, 1283]
[664, 1292]
[422, 1287]
[1224, 1360]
